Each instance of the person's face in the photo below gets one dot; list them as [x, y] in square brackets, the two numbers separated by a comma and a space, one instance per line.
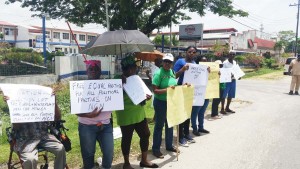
[231, 56]
[191, 53]
[94, 72]
[158, 62]
[167, 64]
[131, 70]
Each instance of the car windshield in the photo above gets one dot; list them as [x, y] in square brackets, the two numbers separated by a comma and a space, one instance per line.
[288, 61]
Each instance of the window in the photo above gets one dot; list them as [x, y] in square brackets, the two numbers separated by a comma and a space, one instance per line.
[74, 50]
[56, 35]
[82, 37]
[66, 35]
[91, 37]
[9, 31]
[74, 36]
[70, 50]
[66, 51]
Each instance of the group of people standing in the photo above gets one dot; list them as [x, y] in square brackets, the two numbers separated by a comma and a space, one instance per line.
[96, 126]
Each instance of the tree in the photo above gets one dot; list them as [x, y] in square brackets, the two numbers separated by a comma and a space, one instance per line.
[145, 15]
[158, 40]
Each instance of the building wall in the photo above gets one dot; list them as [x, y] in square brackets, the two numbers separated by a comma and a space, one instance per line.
[240, 41]
[73, 67]
[22, 38]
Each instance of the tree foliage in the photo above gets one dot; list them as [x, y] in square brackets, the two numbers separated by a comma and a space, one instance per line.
[145, 15]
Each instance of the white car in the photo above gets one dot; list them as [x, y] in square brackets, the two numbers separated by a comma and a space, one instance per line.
[287, 64]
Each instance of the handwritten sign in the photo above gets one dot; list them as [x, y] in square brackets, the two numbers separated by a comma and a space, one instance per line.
[237, 71]
[179, 104]
[196, 74]
[225, 76]
[212, 89]
[199, 95]
[136, 89]
[29, 103]
[86, 95]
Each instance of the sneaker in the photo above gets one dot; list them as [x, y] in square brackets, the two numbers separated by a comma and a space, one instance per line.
[296, 93]
[203, 131]
[183, 142]
[196, 133]
[158, 154]
[216, 117]
[223, 112]
[291, 93]
[189, 139]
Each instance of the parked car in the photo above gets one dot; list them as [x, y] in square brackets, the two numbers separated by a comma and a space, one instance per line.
[287, 64]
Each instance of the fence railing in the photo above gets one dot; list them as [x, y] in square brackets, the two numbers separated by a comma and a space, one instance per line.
[25, 68]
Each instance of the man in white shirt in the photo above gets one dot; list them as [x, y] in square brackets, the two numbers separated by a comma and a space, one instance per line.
[229, 91]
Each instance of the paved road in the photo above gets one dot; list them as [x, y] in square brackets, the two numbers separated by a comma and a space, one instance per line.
[263, 134]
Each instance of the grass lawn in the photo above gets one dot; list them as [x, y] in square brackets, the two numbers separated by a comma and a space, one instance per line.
[74, 156]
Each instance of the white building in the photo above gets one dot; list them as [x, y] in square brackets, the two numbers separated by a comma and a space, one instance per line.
[56, 39]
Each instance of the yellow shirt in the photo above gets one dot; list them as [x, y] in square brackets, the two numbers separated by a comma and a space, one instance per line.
[295, 64]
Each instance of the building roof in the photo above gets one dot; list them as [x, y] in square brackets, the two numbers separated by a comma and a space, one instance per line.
[4, 23]
[67, 30]
[206, 31]
[265, 44]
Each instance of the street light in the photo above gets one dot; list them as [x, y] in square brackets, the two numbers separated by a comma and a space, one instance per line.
[44, 17]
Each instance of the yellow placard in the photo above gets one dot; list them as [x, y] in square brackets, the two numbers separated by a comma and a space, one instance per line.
[213, 85]
[179, 104]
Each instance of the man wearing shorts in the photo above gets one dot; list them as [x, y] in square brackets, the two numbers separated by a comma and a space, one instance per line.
[229, 91]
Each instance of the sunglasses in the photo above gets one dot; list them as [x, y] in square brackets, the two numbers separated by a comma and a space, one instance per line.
[168, 61]
[192, 52]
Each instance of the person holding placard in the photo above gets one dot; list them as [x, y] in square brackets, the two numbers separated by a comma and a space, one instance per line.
[199, 111]
[29, 136]
[216, 101]
[162, 80]
[180, 67]
[95, 126]
[132, 118]
[230, 88]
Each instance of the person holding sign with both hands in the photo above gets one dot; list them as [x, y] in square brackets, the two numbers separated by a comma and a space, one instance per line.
[95, 126]
[132, 118]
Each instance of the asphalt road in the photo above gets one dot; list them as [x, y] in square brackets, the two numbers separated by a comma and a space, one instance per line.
[264, 133]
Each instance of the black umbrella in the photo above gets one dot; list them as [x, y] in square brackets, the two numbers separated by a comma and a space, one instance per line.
[119, 42]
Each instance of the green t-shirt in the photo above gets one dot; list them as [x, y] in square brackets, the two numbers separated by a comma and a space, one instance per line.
[163, 79]
[131, 114]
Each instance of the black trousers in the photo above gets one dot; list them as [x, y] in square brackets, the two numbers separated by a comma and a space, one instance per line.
[143, 132]
[184, 128]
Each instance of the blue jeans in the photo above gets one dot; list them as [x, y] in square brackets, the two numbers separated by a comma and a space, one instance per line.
[198, 111]
[88, 135]
[160, 108]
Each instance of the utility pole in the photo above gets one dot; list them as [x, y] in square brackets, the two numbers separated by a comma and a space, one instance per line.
[296, 43]
[44, 39]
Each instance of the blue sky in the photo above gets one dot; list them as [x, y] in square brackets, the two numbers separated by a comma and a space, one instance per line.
[274, 15]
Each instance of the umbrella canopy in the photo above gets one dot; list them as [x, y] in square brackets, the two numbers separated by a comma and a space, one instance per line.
[149, 56]
[119, 42]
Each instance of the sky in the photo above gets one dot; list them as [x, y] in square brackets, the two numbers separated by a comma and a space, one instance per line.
[273, 15]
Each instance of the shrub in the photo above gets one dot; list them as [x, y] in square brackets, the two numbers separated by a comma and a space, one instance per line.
[254, 60]
[269, 62]
[240, 59]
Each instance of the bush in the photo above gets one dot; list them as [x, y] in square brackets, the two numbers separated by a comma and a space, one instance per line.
[254, 60]
[240, 59]
[269, 62]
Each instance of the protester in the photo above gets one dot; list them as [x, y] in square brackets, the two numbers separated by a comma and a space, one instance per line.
[132, 118]
[30, 136]
[216, 101]
[180, 67]
[199, 111]
[95, 126]
[294, 70]
[157, 63]
[162, 80]
[229, 91]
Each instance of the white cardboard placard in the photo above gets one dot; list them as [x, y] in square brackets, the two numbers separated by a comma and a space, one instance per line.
[86, 95]
[29, 103]
[196, 74]
[136, 89]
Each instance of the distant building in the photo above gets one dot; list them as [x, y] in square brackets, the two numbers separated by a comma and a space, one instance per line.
[56, 39]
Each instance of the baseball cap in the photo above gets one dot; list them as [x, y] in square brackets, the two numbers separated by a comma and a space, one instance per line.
[232, 52]
[168, 56]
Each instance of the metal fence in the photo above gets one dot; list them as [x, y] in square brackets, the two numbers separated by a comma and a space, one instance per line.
[25, 68]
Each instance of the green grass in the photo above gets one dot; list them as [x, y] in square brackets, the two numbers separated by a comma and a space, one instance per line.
[74, 156]
[259, 72]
